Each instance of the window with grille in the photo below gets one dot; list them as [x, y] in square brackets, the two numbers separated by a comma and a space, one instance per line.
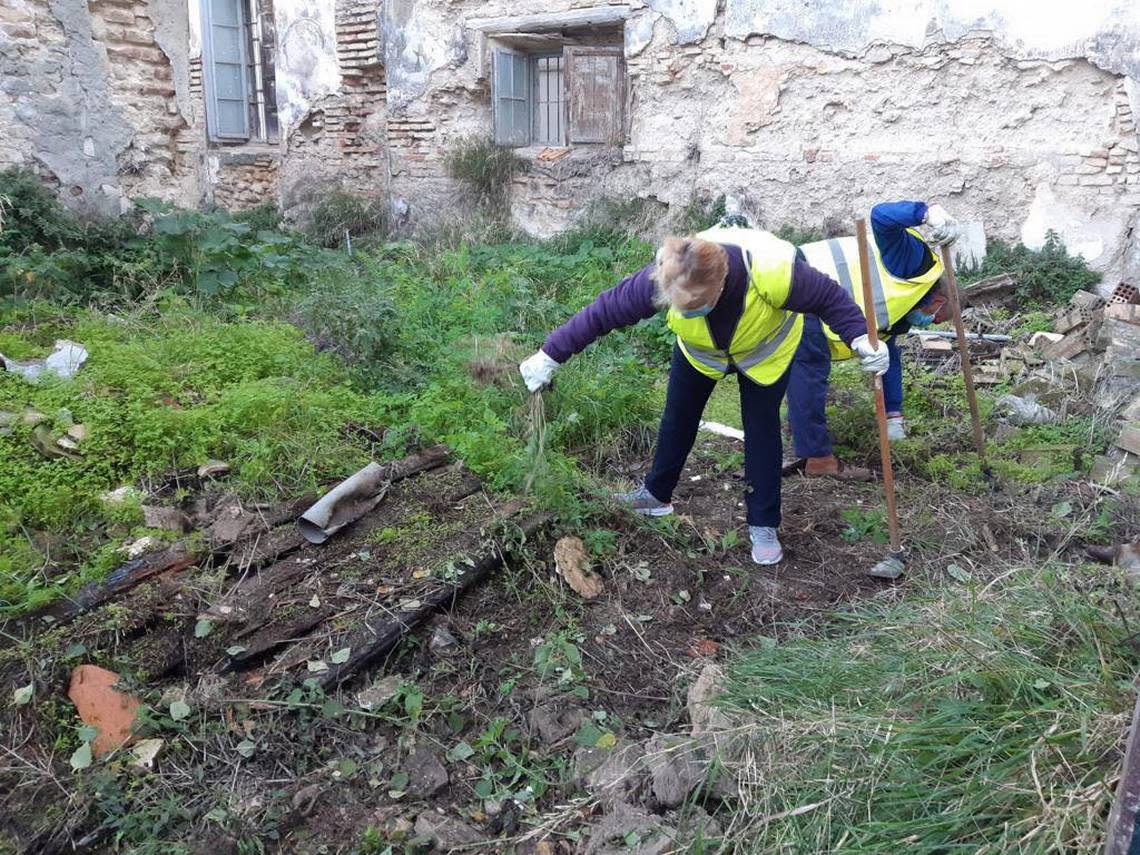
[574, 96]
[237, 64]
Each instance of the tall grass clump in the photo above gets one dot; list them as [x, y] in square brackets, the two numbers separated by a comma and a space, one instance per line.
[337, 214]
[485, 170]
[977, 720]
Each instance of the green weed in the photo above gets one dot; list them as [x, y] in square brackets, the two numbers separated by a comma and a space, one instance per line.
[981, 723]
[485, 169]
[1045, 277]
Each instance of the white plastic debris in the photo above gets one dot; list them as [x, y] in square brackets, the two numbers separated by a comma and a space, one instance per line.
[722, 430]
[1025, 411]
[64, 361]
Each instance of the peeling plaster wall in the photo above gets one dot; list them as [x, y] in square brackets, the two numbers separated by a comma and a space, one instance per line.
[1018, 116]
[306, 57]
[89, 99]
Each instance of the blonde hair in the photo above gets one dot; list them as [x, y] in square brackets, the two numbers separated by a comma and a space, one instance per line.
[689, 273]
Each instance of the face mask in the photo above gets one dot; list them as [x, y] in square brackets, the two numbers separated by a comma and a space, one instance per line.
[696, 313]
[918, 318]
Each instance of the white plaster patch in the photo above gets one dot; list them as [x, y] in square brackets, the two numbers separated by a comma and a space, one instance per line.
[1090, 233]
[970, 247]
[1038, 28]
[691, 18]
[306, 61]
[639, 32]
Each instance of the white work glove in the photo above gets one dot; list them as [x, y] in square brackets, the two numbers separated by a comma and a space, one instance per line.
[943, 228]
[872, 359]
[537, 370]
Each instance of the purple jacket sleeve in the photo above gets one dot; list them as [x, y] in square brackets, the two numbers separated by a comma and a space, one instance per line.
[815, 293]
[628, 302]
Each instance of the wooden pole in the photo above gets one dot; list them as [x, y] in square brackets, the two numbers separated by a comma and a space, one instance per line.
[880, 405]
[964, 356]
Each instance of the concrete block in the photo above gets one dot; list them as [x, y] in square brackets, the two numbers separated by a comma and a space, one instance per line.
[1071, 345]
[1127, 312]
[1069, 321]
[1110, 471]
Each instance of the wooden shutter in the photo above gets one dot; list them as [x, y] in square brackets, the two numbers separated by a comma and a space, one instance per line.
[595, 80]
[510, 87]
[226, 68]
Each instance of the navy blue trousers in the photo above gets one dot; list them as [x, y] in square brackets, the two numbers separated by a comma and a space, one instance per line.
[807, 390]
[685, 401]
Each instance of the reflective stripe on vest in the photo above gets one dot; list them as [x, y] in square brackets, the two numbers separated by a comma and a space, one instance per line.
[881, 315]
[720, 361]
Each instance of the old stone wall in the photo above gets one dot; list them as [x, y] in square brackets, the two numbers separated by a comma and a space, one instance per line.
[89, 100]
[1019, 123]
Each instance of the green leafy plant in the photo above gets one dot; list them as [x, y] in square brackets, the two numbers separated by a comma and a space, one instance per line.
[864, 524]
[1045, 277]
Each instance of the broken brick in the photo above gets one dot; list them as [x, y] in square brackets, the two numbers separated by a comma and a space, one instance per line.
[102, 706]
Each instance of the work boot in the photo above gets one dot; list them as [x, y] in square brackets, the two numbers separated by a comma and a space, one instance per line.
[832, 467]
[766, 547]
[896, 428]
[641, 501]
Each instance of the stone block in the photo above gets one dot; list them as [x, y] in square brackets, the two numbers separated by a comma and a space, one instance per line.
[1094, 180]
[1129, 438]
[1110, 471]
[1071, 345]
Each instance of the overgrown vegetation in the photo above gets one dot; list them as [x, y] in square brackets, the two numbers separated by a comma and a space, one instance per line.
[485, 169]
[970, 720]
[338, 217]
[980, 717]
[1045, 277]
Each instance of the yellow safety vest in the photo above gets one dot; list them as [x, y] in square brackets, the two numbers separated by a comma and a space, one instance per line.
[894, 297]
[766, 336]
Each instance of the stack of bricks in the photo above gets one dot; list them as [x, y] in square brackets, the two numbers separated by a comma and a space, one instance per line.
[141, 84]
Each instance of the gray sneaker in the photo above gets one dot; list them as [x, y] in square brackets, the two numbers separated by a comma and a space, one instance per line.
[766, 547]
[641, 501]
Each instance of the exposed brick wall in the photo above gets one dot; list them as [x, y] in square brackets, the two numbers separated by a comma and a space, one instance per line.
[142, 85]
[89, 100]
[342, 141]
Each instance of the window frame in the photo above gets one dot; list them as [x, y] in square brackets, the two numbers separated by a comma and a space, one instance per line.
[511, 137]
[258, 96]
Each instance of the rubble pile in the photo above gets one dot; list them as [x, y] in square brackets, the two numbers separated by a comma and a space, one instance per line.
[1088, 365]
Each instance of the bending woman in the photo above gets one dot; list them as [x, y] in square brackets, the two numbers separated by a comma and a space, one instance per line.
[734, 298]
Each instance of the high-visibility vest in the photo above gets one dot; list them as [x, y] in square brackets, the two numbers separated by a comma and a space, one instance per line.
[766, 336]
[894, 297]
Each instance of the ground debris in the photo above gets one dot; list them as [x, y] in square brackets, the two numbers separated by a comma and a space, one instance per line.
[573, 563]
[64, 361]
[992, 291]
[445, 832]
[426, 773]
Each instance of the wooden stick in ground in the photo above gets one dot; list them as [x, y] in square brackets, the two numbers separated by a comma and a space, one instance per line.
[893, 566]
[964, 355]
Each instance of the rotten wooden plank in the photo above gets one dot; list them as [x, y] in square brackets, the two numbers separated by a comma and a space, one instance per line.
[264, 537]
[375, 638]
